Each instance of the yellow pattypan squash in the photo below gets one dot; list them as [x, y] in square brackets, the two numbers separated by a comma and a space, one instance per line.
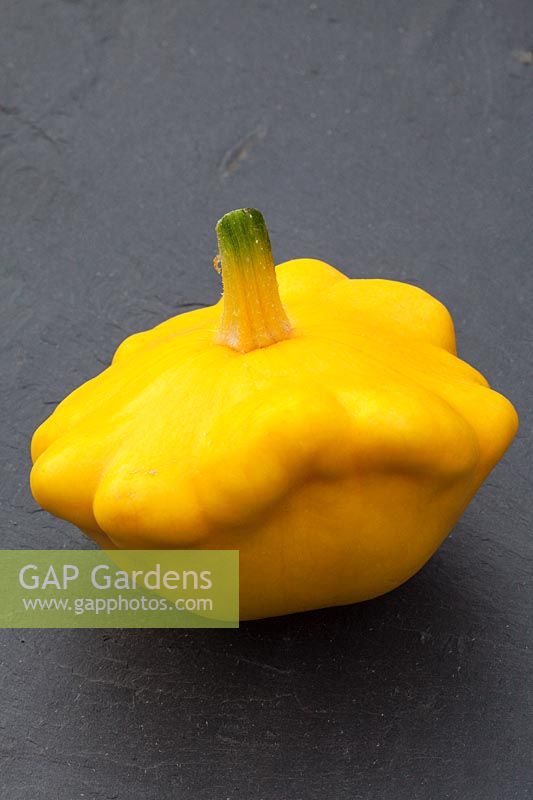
[322, 426]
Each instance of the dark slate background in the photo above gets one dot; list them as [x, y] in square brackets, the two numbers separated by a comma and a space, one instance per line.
[390, 138]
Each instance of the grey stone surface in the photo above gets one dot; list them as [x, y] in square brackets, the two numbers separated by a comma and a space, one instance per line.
[390, 139]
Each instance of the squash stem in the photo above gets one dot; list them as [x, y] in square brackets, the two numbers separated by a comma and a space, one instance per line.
[253, 315]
